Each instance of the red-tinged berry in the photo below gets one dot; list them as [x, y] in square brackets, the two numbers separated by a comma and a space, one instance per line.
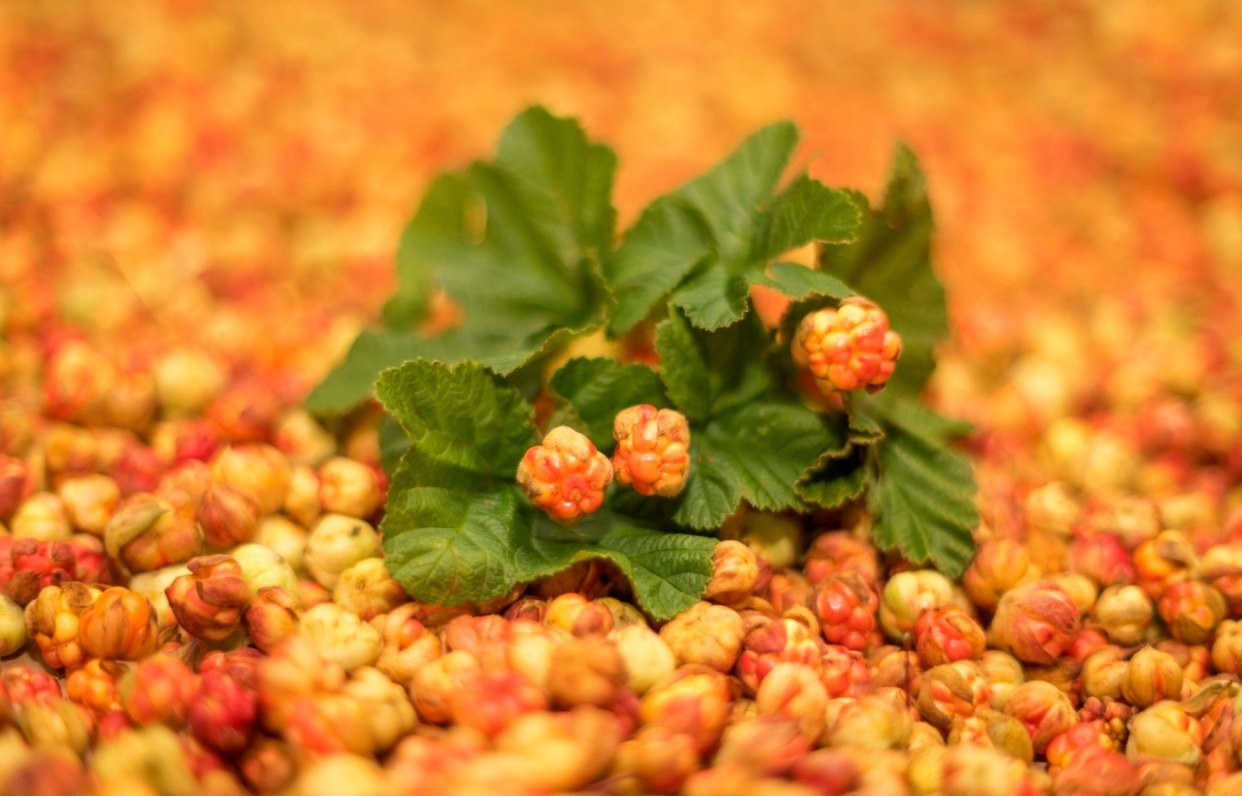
[209, 601]
[1043, 709]
[565, 475]
[848, 348]
[272, 616]
[1036, 622]
[781, 641]
[1152, 675]
[1166, 731]
[653, 450]
[222, 713]
[706, 634]
[1191, 609]
[658, 759]
[948, 634]
[149, 532]
[158, 690]
[843, 671]
[696, 701]
[490, 701]
[29, 565]
[847, 607]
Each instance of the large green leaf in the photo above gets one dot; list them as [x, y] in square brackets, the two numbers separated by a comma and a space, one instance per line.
[517, 243]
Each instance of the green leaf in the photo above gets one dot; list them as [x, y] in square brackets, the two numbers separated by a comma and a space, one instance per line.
[599, 388]
[755, 453]
[466, 429]
[448, 546]
[799, 282]
[835, 479]
[707, 242]
[806, 211]
[517, 243]
[669, 240]
[706, 373]
[921, 492]
[669, 571]
[393, 443]
[890, 264]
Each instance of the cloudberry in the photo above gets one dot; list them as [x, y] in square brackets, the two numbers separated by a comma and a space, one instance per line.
[652, 452]
[848, 348]
[565, 475]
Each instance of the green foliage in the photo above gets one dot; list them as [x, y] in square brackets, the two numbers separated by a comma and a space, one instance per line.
[524, 245]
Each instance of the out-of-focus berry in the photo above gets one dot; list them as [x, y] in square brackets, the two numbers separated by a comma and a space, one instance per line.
[28, 565]
[348, 487]
[653, 450]
[490, 701]
[209, 601]
[696, 700]
[1036, 622]
[285, 538]
[578, 616]
[794, 691]
[336, 543]
[368, 590]
[1166, 731]
[222, 713]
[947, 694]
[907, 595]
[302, 498]
[705, 634]
[261, 567]
[89, 501]
[944, 635]
[846, 606]
[782, 641]
[53, 620]
[565, 475]
[406, 643]
[586, 671]
[646, 656]
[94, 685]
[258, 470]
[158, 690]
[1101, 557]
[559, 751]
[56, 723]
[1044, 711]
[12, 627]
[1124, 613]
[227, 515]
[876, 721]
[434, 684]
[120, 625]
[1152, 676]
[837, 552]
[1191, 609]
[340, 636]
[41, 516]
[1165, 558]
[735, 573]
[848, 348]
[149, 532]
[999, 565]
[658, 758]
[272, 616]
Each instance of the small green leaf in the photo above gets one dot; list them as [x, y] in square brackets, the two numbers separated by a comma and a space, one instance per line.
[597, 389]
[670, 239]
[393, 443]
[669, 571]
[755, 453]
[835, 480]
[806, 211]
[712, 297]
[890, 264]
[921, 493]
[466, 429]
[799, 282]
[706, 373]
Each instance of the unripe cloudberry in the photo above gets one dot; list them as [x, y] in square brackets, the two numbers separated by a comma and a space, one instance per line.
[565, 475]
[848, 348]
[653, 448]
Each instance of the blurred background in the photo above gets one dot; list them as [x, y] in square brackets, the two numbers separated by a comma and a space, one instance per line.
[237, 173]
